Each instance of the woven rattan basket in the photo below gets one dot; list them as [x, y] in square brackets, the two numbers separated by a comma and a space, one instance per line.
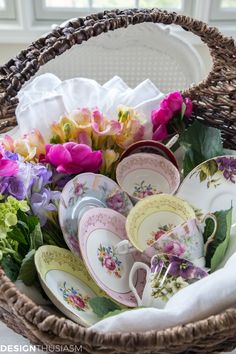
[215, 102]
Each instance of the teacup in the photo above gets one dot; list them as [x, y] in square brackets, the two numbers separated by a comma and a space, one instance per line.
[184, 241]
[142, 175]
[152, 147]
[166, 276]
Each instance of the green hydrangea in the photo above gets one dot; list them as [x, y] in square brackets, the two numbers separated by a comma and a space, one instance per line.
[8, 214]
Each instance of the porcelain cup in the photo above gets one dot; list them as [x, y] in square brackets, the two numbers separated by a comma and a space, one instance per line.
[166, 276]
[185, 241]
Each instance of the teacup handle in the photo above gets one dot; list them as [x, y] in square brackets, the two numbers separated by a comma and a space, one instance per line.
[137, 266]
[124, 247]
[212, 236]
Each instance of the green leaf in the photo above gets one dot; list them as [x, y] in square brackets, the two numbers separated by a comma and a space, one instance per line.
[101, 306]
[17, 235]
[28, 271]
[201, 143]
[10, 267]
[188, 162]
[216, 249]
[36, 237]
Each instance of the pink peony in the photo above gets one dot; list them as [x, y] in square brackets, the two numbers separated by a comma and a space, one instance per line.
[174, 248]
[161, 116]
[189, 107]
[109, 263]
[8, 168]
[160, 133]
[174, 101]
[72, 158]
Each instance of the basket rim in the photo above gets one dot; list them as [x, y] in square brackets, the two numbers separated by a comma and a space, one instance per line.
[23, 307]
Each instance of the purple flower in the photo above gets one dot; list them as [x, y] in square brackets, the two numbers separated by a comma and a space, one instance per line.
[227, 165]
[41, 204]
[200, 273]
[16, 188]
[181, 267]
[40, 177]
[156, 264]
[11, 156]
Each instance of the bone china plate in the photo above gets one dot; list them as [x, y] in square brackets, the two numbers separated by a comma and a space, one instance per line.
[84, 192]
[67, 283]
[211, 186]
[153, 216]
[100, 230]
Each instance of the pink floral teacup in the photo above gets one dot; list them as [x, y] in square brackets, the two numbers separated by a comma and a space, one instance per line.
[166, 276]
[142, 175]
[184, 241]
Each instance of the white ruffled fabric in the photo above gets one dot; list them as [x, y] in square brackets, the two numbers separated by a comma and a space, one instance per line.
[46, 98]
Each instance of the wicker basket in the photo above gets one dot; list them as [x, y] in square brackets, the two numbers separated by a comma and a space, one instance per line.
[215, 102]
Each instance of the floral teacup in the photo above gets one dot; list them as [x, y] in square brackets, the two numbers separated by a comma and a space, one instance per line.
[141, 175]
[184, 241]
[167, 275]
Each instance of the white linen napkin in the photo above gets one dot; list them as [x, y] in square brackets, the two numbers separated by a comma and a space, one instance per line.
[208, 296]
[46, 98]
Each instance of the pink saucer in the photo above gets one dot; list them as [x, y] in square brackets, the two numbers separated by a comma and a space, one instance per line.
[100, 230]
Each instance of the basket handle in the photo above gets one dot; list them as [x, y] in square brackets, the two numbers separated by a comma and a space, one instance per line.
[26, 64]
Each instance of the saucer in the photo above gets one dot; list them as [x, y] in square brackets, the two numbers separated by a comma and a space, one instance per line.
[211, 186]
[151, 147]
[87, 191]
[141, 175]
[153, 216]
[67, 283]
[99, 232]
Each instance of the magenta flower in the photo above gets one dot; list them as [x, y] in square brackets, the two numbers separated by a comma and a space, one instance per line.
[8, 168]
[161, 116]
[189, 107]
[72, 158]
[174, 101]
[109, 263]
[77, 301]
[160, 133]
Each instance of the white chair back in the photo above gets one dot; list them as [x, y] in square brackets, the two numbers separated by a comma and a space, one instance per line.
[135, 54]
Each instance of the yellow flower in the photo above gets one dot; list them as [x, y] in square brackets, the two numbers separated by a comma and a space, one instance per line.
[64, 130]
[132, 128]
[22, 147]
[31, 146]
[82, 118]
[109, 157]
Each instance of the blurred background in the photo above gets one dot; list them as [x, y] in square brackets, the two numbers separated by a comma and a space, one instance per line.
[23, 21]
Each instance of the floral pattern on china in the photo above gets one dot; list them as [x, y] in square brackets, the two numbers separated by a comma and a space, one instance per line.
[217, 171]
[74, 298]
[110, 261]
[84, 192]
[155, 235]
[179, 274]
[142, 190]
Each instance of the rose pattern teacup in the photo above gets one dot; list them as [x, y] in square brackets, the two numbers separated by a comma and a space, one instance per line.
[166, 276]
[184, 241]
